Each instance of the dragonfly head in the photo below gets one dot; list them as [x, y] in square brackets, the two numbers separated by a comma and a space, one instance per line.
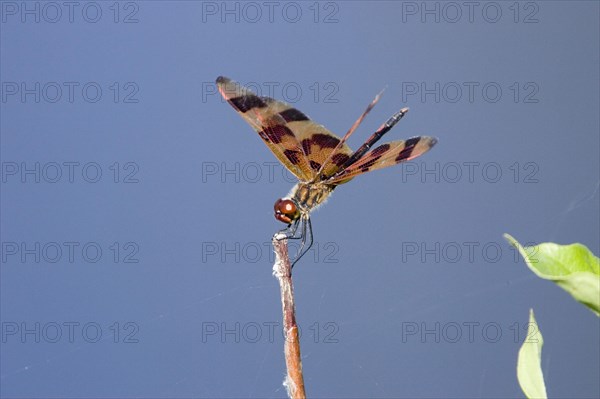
[286, 210]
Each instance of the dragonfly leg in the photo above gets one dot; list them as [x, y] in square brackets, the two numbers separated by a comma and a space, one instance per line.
[299, 230]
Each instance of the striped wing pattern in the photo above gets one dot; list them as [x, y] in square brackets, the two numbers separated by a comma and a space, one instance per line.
[385, 155]
[299, 143]
[303, 145]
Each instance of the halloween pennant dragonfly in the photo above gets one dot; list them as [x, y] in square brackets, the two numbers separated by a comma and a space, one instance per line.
[318, 158]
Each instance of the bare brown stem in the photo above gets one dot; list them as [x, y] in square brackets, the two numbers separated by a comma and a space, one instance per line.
[282, 269]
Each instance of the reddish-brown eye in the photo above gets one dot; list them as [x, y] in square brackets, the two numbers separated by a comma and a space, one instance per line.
[286, 211]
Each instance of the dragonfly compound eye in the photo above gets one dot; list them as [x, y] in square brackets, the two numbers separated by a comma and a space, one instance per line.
[286, 211]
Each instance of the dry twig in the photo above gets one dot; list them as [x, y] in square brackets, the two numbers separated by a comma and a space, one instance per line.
[282, 269]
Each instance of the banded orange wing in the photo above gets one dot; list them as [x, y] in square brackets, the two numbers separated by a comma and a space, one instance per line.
[300, 144]
[385, 155]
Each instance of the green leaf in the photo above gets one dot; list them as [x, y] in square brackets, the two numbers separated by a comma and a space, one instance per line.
[573, 267]
[529, 370]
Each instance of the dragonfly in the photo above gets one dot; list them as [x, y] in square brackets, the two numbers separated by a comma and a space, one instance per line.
[318, 158]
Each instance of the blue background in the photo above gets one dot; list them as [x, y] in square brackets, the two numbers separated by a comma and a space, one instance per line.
[182, 293]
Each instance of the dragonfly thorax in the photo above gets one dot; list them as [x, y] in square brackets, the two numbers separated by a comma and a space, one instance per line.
[303, 198]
